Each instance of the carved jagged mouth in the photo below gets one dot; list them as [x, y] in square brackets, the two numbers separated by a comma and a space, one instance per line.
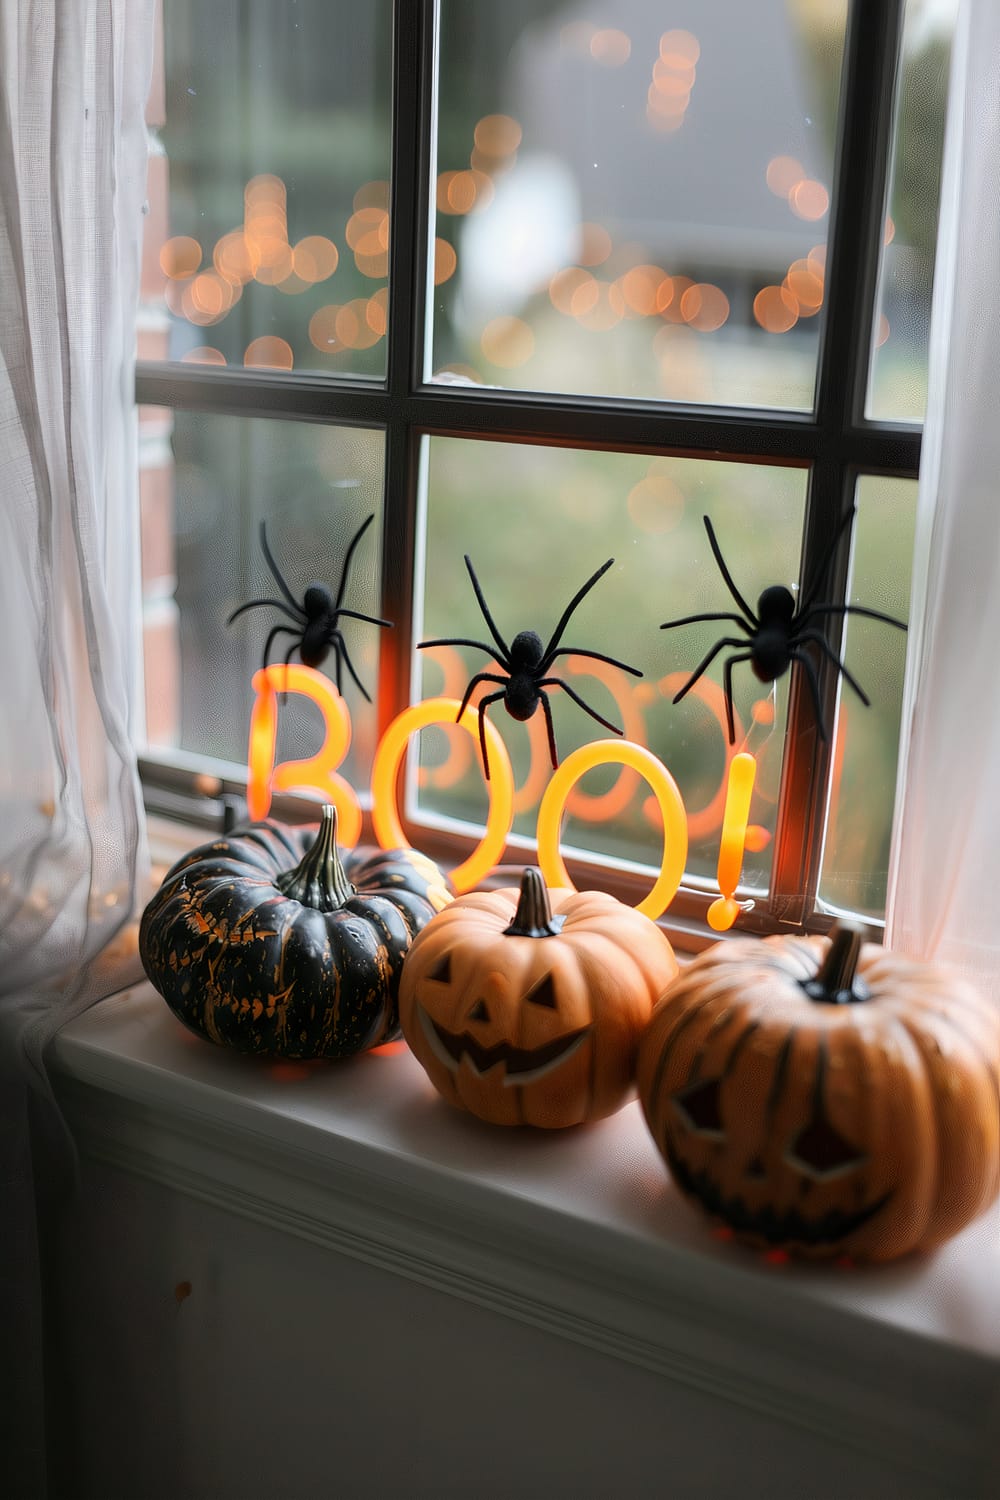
[521, 1064]
[776, 1228]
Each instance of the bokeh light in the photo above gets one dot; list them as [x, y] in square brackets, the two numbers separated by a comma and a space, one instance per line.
[704, 307]
[445, 261]
[352, 326]
[680, 47]
[809, 199]
[203, 355]
[639, 288]
[233, 259]
[507, 342]
[377, 311]
[775, 309]
[180, 257]
[670, 297]
[323, 329]
[315, 258]
[268, 353]
[655, 504]
[565, 284]
[783, 174]
[595, 244]
[497, 135]
[611, 48]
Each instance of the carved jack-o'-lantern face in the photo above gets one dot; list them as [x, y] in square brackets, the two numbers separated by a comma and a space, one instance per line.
[527, 1010]
[843, 1109]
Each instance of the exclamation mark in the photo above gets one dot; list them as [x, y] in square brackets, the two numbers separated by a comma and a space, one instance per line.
[742, 770]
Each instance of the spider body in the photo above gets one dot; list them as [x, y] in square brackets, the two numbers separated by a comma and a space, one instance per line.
[526, 663]
[778, 634]
[316, 621]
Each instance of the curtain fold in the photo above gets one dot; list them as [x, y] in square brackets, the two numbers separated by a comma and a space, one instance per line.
[944, 862]
[74, 78]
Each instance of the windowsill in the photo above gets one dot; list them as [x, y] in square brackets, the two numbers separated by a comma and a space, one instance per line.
[580, 1233]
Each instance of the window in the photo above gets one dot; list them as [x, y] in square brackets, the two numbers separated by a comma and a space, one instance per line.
[546, 287]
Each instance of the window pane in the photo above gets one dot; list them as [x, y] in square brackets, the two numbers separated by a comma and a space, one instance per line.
[537, 523]
[898, 388]
[859, 819]
[635, 205]
[206, 484]
[267, 235]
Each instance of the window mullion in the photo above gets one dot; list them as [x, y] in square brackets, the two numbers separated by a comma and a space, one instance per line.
[866, 114]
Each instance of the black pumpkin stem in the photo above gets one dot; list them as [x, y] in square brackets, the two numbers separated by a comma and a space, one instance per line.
[533, 917]
[319, 880]
[837, 981]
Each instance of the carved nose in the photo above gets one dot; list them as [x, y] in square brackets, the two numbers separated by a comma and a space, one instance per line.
[478, 1012]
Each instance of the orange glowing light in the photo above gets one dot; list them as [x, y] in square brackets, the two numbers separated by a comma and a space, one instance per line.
[180, 257]
[377, 311]
[670, 296]
[293, 286]
[233, 258]
[809, 199]
[352, 327]
[610, 48]
[203, 355]
[191, 310]
[365, 221]
[666, 106]
[315, 258]
[883, 331]
[385, 769]
[445, 261]
[816, 261]
[595, 244]
[675, 836]
[704, 307]
[211, 294]
[376, 266]
[680, 44]
[466, 191]
[757, 838]
[507, 342]
[775, 309]
[672, 84]
[274, 260]
[323, 329]
[372, 195]
[564, 286]
[639, 288]
[655, 504]
[318, 772]
[890, 230]
[497, 135]
[783, 174]
[805, 286]
[268, 353]
[762, 711]
[264, 189]
[742, 771]
[605, 311]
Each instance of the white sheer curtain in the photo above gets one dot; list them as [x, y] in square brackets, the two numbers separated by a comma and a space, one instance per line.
[945, 867]
[74, 75]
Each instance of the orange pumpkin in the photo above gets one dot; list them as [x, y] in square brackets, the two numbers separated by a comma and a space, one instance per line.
[526, 1007]
[824, 1096]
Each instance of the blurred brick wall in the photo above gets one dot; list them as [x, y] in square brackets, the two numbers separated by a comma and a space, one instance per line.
[161, 626]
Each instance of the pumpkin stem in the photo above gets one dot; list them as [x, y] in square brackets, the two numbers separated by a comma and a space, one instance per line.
[533, 917]
[319, 880]
[837, 981]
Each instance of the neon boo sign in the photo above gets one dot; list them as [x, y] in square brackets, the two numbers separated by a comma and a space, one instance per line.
[320, 772]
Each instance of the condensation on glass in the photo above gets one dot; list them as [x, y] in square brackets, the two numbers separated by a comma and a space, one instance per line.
[898, 381]
[537, 523]
[866, 740]
[635, 201]
[206, 483]
[267, 235]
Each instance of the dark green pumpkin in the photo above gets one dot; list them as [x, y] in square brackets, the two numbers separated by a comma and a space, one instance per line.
[271, 941]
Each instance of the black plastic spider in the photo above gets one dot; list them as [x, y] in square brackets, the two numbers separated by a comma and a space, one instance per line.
[777, 633]
[526, 662]
[316, 618]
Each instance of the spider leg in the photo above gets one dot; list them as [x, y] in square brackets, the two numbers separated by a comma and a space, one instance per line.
[697, 619]
[278, 630]
[558, 682]
[458, 641]
[727, 677]
[810, 671]
[288, 659]
[491, 698]
[557, 633]
[831, 655]
[274, 603]
[705, 664]
[339, 647]
[550, 730]
[347, 560]
[283, 586]
[354, 614]
[744, 606]
[546, 661]
[479, 677]
[850, 609]
[810, 593]
[494, 632]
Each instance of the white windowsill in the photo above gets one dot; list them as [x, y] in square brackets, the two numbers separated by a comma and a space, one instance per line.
[578, 1232]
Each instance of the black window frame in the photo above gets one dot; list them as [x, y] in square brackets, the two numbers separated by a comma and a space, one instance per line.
[836, 442]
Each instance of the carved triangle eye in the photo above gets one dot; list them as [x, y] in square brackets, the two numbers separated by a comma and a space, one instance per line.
[442, 970]
[478, 1012]
[698, 1103]
[544, 993]
[820, 1151]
